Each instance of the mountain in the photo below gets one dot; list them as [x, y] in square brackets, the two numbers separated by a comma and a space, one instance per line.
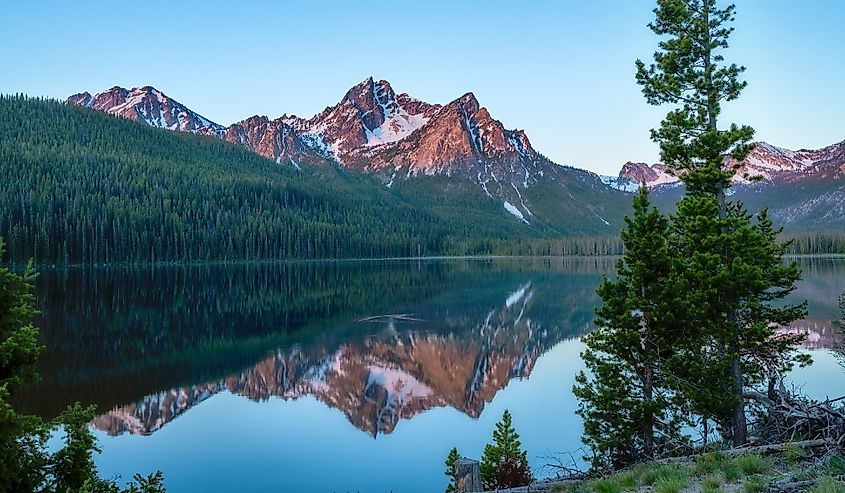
[397, 138]
[83, 186]
[147, 105]
[766, 164]
[804, 190]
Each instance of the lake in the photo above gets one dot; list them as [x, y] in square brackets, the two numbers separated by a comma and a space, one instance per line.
[337, 376]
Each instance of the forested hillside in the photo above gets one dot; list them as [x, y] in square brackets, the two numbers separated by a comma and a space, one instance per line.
[80, 186]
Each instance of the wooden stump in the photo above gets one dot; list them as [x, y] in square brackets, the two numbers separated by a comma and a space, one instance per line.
[468, 476]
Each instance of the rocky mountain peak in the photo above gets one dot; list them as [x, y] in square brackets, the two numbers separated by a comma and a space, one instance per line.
[765, 163]
[148, 105]
[371, 129]
[469, 102]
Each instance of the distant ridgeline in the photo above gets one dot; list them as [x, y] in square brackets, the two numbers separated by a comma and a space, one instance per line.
[81, 186]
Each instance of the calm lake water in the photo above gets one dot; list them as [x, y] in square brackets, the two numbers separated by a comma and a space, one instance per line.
[289, 377]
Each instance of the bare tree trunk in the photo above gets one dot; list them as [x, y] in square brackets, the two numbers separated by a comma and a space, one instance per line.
[740, 425]
[648, 418]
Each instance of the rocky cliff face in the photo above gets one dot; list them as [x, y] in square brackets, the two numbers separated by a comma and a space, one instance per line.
[371, 129]
[148, 105]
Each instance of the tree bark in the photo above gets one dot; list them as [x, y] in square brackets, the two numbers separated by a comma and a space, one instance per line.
[648, 418]
[740, 425]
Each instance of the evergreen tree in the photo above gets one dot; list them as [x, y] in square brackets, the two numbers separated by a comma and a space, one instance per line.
[504, 464]
[451, 469]
[25, 464]
[749, 285]
[73, 465]
[22, 438]
[628, 410]
[689, 72]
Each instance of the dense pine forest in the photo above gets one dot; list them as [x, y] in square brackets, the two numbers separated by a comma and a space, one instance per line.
[83, 187]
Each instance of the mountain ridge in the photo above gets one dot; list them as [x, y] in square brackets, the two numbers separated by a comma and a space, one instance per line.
[395, 137]
[765, 164]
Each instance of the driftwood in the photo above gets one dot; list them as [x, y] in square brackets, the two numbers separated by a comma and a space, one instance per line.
[790, 485]
[759, 449]
[405, 317]
[786, 417]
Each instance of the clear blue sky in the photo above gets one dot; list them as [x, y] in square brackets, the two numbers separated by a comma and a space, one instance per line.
[560, 69]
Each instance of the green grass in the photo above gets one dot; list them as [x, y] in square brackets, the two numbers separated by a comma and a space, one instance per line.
[652, 475]
[712, 471]
[794, 453]
[827, 484]
[711, 481]
[755, 484]
[607, 485]
[731, 471]
[629, 481]
[753, 464]
[670, 485]
[836, 465]
[708, 463]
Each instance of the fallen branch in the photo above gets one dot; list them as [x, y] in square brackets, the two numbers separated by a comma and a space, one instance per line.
[406, 317]
[760, 449]
[789, 485]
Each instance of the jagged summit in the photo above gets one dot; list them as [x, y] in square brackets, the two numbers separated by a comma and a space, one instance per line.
[148, 105]
[372, 129]
[397, 138]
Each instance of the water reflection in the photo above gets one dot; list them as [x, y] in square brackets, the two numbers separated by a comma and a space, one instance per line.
[150, 344]
[379, 341]
[176, 358]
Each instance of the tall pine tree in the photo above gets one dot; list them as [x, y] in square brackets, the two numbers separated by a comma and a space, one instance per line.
[22, 438]
[735, 307]
[629, 412]
[689, 72]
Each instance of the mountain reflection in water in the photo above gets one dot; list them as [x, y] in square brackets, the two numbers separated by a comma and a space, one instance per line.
[150, 344]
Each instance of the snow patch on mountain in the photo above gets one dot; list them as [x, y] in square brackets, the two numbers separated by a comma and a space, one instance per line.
[516, 212]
